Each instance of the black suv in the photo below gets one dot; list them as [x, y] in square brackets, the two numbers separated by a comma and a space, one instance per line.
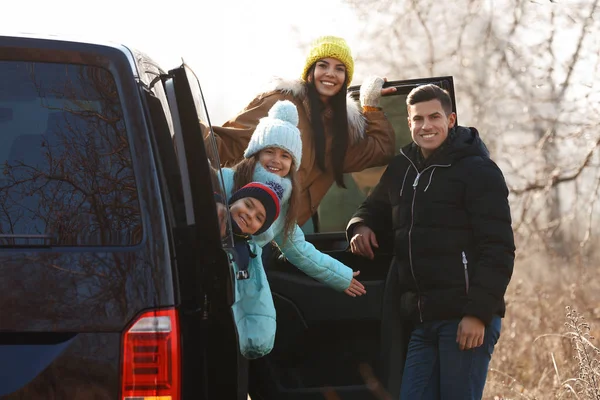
[115, 282]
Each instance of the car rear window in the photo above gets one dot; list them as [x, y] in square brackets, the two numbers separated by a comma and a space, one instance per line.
[66, 170]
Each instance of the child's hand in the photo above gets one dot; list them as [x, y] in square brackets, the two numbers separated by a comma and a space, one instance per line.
[356, 288]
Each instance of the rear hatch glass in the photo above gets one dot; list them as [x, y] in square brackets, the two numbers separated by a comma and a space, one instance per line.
[66, 168]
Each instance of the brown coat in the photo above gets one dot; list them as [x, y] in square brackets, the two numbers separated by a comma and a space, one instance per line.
[371, 144]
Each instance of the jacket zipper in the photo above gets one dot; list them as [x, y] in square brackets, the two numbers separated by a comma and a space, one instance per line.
[412, 221]
[465, 264]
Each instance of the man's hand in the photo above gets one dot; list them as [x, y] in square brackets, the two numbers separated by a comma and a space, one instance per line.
[363, 241]
[470, 333]
[356, 288]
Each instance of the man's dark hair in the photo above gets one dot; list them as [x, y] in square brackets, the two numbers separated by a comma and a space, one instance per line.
[428, 92]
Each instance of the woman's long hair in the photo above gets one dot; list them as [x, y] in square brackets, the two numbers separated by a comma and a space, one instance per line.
[340, 127]
[244, 172]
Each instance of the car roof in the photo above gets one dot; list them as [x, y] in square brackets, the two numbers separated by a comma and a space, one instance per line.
[83, 39]
[64, 42]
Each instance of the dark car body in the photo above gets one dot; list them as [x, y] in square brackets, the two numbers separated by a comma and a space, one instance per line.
[100, 287]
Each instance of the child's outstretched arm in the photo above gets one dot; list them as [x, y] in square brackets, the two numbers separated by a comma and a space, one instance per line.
[317, 265]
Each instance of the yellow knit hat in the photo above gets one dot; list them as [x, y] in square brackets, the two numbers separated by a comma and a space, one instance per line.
[329, 46]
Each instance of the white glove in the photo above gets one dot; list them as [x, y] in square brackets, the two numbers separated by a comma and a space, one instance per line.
[370, 91]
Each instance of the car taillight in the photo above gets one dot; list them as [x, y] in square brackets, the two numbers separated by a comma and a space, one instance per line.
[151, 357]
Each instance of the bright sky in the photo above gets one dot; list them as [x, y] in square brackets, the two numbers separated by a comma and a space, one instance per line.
[234, 46]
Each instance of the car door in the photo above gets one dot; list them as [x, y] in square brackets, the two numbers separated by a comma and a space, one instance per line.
[212, 246]
[327, 341]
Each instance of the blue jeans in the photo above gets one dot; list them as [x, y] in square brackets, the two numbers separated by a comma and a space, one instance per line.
[436, 369]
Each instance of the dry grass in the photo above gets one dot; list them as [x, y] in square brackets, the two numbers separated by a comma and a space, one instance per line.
[547, 349]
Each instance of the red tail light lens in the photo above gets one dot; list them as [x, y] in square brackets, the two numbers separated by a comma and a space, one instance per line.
[151, 357]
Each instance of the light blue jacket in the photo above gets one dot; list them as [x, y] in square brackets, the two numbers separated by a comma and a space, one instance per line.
[253, 308]
[300, 253]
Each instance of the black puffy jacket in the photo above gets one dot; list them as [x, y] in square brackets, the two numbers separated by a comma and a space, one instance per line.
[453, 241]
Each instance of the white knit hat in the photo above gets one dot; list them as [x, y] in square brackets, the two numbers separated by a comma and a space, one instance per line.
[278, 129]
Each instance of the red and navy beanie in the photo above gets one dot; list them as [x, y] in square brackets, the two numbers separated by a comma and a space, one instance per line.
[264, 194]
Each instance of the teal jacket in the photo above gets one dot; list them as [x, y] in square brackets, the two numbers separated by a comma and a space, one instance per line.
[296, 249]
[253, 308]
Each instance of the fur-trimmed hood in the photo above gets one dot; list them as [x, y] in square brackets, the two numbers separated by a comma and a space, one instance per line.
[297, 88]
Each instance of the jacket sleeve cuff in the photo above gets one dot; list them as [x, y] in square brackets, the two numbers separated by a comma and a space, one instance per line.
[354, 222]
[373, 113]
[477, 310]
[342, 280]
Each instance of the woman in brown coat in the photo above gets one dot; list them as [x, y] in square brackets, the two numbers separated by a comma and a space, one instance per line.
[337, 136]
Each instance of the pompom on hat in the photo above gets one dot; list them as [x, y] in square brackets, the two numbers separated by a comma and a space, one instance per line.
[268, 198]
[330, 46]
[278, 129]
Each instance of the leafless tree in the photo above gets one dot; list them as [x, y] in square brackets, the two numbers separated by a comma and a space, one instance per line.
[525, 77]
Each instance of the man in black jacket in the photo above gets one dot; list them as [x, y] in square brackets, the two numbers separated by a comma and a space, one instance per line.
[446, 203]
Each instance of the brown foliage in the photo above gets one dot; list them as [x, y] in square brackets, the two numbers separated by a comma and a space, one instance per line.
[537, 356]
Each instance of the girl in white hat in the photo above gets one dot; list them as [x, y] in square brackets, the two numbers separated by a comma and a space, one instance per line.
[272, 157]
[338, 136]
